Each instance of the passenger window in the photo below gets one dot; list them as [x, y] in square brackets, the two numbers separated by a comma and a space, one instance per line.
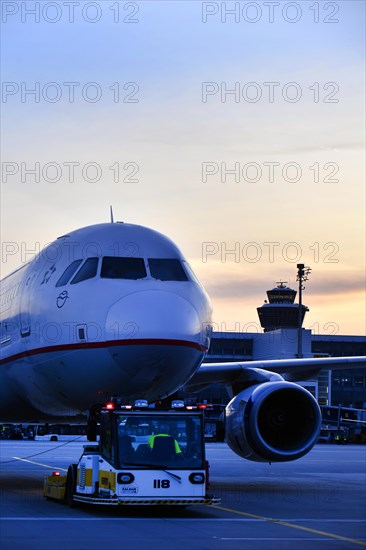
[123, 268]
[87, 271]
[68, 273]
[167, 269]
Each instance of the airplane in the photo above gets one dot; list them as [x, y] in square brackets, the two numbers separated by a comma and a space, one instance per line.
[114, 309]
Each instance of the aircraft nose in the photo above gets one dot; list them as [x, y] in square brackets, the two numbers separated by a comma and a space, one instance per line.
[154, 314]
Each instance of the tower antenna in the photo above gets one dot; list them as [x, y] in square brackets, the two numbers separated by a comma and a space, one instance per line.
[302, 276]
[111, 210]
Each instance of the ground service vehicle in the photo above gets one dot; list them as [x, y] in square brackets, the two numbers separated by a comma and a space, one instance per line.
[145, 456]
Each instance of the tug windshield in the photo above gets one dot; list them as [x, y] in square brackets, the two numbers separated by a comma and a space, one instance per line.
[160, 441]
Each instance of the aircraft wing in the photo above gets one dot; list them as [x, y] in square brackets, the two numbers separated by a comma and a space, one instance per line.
[245, 373]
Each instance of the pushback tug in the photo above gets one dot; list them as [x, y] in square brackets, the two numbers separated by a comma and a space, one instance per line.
[144, 457]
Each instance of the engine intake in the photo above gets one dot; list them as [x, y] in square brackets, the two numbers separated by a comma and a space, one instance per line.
[272, 422]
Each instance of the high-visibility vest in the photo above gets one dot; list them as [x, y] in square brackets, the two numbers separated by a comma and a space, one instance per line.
[152, 439]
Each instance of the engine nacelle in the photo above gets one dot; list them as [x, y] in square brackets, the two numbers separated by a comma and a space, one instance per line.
[272, 422]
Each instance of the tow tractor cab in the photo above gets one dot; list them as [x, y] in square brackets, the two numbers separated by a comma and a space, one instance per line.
[145, 456]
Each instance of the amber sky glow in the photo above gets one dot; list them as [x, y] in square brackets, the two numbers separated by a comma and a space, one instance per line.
[173, 136]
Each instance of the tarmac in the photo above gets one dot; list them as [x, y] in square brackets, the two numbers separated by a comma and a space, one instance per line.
[317, 502]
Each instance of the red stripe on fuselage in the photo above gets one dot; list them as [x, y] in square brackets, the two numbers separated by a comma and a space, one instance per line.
[102, 345]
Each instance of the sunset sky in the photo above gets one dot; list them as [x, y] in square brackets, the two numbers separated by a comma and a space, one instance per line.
[240, 135]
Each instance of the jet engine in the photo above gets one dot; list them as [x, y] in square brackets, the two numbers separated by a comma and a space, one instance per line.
[272, 422]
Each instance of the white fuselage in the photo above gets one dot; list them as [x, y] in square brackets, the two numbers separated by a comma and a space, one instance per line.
[107, 310]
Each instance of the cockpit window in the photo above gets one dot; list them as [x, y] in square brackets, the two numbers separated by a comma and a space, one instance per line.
[87, 271]
[68, 273]
[123, 268]
[190, 272]
[167, 269]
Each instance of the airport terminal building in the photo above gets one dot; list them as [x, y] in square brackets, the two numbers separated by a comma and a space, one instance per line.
[280, 317]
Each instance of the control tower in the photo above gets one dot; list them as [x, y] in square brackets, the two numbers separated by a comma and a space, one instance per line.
[280, 311]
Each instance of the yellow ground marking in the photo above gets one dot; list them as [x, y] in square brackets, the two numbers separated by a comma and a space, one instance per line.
[39, 463]
[293, 525]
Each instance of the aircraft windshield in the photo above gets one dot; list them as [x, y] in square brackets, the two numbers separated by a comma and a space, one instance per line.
[68, 273]
[123, 268]
[167, 269]
[160, 441]
[162, 269]
[87, 271]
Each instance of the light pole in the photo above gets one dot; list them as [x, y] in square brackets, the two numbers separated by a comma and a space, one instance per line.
[302, 276]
